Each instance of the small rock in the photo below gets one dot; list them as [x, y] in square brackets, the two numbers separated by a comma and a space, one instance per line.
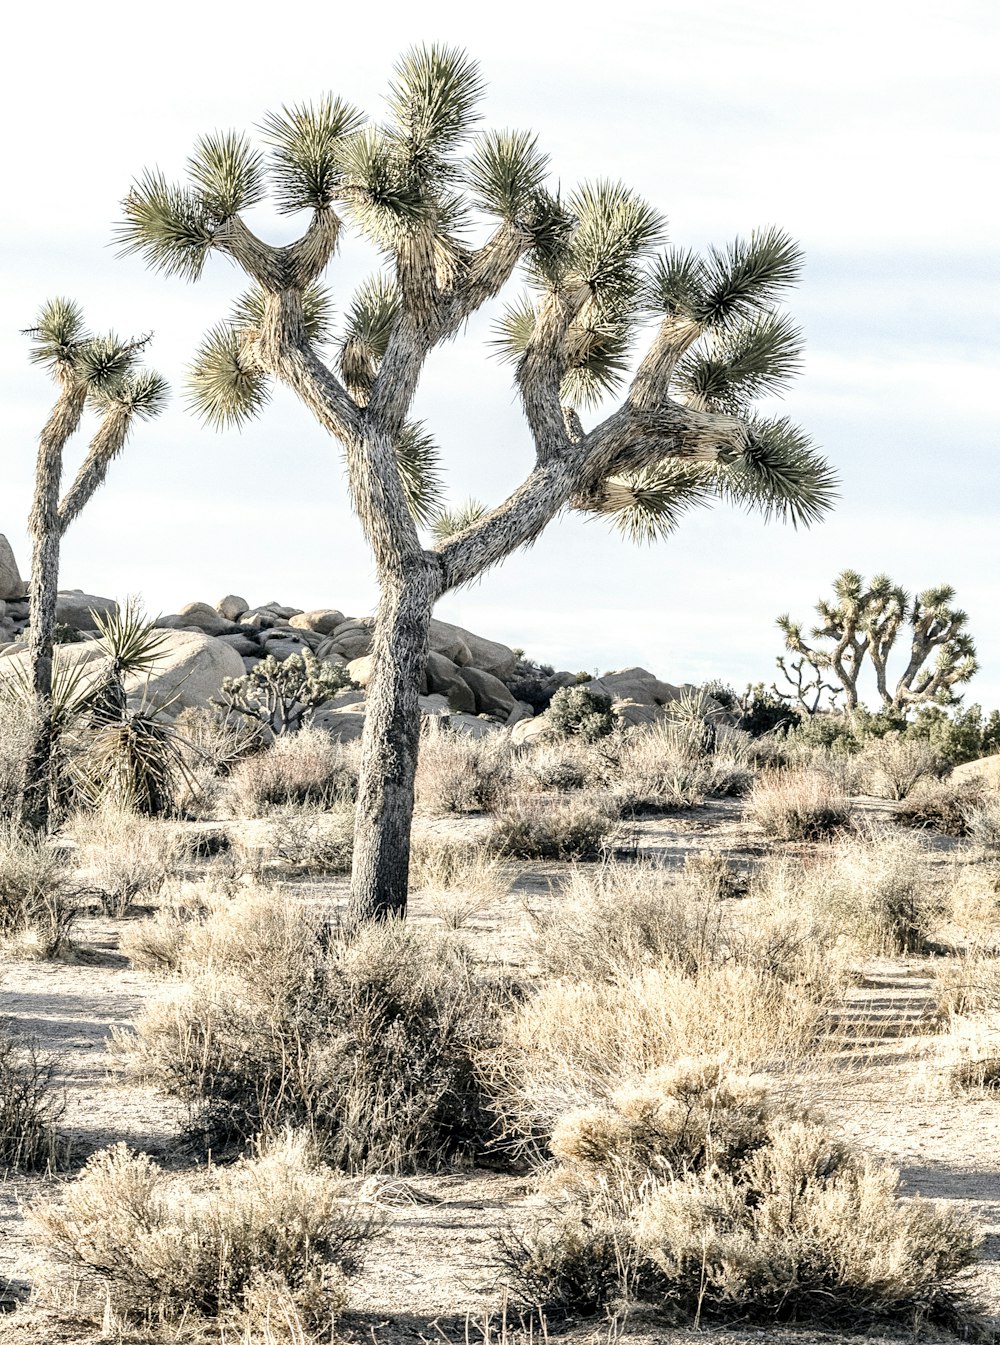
[232, 607]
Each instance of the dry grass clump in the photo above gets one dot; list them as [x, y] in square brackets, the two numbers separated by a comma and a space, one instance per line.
[37, 909]
[30, 1108]
[273, 1230]
[563, 766]
[945, 806]
[983, 823]
[308, 767]
[16, 733]
[687, 1193]
[893, 766]
[456, 879]
[457, 773]
[571, 1044]
[972, 906]
[366, 1042]
[679, 764]
[798, 805]
[122, 856]
[874, 891]
[310, 839]
[578, 827]
[623, 917]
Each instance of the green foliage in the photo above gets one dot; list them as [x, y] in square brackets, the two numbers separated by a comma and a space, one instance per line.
[506, 172]
[304, 140]
[30, 1106]
[757, 712]
[962, 735]
[447, 522]
[576, 712]
[284, 695]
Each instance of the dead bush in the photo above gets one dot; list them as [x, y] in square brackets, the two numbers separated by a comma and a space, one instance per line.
[892, 766]
[123, 856]
[16, 732]
[311, 839]
[580, 827]
[623, 917]
[798, 806]
[30, 1107]
[562, 766]
[457, 880]
[366, 1042]
[873, 890]
[945, 806]
[37, 905]
[457, 773]
[308, 767]
[679, 764]
[983, 823]
[275, 1226]
[702, 1202]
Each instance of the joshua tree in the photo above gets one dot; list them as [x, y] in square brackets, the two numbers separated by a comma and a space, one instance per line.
[865, 622]
[88, 370]
[683, 433]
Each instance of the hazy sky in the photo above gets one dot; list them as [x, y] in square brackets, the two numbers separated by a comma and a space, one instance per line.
[868, 130]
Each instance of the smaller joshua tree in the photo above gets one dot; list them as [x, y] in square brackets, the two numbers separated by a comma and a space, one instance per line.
[863, 622]
[100, 372]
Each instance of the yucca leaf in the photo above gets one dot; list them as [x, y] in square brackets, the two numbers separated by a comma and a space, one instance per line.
[446, 522]
[514, 330]
[168, 226]
[758, 356]
[58, 334]
[317, 311]
[419, 470]
[647, 506]
[597, 361]
[228, 173]
[304, 167]
[780, 474]
[749, 275]
[675, 284]
[506, 172]
[367, 328]
[432, 98]
[224, 388]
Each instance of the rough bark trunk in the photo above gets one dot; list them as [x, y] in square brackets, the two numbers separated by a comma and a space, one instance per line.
[389, 747]
[46, 534]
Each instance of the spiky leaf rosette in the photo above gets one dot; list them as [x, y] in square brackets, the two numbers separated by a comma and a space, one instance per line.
[741, 362]
[227, 172]
[597, 360]
[167, 225]
[432, 100]
[304, 140]
[419, 471]
[780, 474]
[142, 393]
[317, 312]
[647, 506]
[447, 522]
[58, 335]
[225, 387]
[378, 191]
[368, 325]
[506, 172]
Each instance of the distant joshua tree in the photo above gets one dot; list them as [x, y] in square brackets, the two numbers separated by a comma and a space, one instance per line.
[682, 434]
[864, 621]
[102, 372]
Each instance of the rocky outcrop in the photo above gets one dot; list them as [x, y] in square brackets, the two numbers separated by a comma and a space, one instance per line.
[76, 609]
[11, 583]
[985, 771]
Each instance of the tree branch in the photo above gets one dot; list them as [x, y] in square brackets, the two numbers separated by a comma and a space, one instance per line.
[105, 446]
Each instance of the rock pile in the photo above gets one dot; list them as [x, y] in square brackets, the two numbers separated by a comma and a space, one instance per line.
[472, 680]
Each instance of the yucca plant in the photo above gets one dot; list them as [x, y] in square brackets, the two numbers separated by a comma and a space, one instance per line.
[682, 433]
[101, 372]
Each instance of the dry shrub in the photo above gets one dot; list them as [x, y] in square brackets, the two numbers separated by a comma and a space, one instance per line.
[687, 1192]
[123, 856]
[798, 805]
[276, 1227]
[458, 880]
[367, 1041]
[311, 839]
[972, 905]
[570, 1045]
[983, 823]
[30, 1108]
[457, 773]
[37, 909]
[680, 763]
[308, 767]
[579, 827]
[945, 806]
[16, 735]
[624, 917]
[560, 767]
[843, 768]
[874, 890]
[892, 766]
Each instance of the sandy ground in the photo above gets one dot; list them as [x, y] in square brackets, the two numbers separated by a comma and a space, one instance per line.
[431, 1275]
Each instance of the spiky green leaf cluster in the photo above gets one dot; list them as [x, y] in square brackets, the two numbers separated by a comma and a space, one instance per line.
[780, 474]
[58, 335]
[227, 173]
[367, 328]
[447, 522]
[736, 365]
[506, 173]
[305, 140]
[168, 226]
[647, 506]
[419, 471]
[317, 312]
[432, 99]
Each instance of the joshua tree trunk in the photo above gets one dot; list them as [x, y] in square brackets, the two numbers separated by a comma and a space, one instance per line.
[46, 535]
[389, 747]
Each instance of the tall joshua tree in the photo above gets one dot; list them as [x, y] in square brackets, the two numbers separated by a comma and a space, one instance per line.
[454, 212]
[102, 372]
[864, 621]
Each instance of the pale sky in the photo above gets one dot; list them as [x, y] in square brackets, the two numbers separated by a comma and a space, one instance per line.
[868, 130]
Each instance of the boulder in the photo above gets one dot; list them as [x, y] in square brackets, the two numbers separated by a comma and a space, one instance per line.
[324, 621]
[75, 608]
[343, 725]
[434, 705]
[521, 710]
[198, 616]
[492, 697]
[232, 607]
[243, 644]
[11, 583]
[189, 668]
[461, 697]
[441, 672]
[350, 640]
[636, 712]
[532, 730]
[464, 648]
[359, 670]
[986, 771]
[636, 685]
